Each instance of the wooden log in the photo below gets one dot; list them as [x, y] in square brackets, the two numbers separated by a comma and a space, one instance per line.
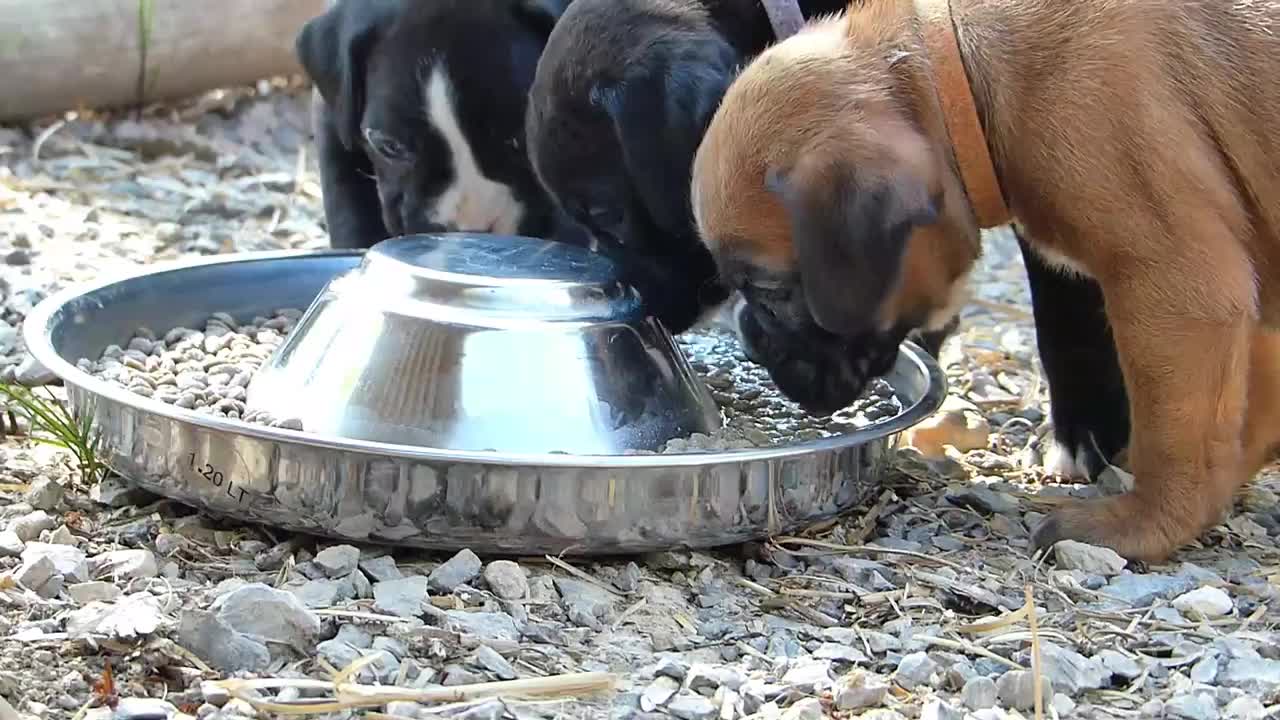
[58, 55]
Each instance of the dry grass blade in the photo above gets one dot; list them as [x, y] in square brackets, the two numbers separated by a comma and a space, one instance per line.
[351, 696]
[971, 649]
[999, 623]
[1036, 678]
[581, 575]
[867, 549]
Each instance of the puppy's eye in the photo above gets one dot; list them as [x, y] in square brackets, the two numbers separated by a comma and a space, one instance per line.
[387, 147]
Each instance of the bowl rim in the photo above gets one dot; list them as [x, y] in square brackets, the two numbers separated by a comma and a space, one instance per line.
[39, 344]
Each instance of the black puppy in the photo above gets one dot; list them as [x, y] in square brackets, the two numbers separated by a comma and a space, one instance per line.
[623, 93]
[418, 117]
[621, 99]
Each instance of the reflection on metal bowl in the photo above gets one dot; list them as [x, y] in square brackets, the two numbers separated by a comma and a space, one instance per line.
[485, 342]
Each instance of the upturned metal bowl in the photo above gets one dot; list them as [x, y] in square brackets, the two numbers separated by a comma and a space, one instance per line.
[465, 341]
[408, 495]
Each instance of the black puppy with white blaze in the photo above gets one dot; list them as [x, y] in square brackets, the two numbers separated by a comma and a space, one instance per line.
[418, 117]
[622, 96]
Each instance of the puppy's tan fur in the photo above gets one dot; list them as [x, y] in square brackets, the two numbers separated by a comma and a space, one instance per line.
[1135, 138]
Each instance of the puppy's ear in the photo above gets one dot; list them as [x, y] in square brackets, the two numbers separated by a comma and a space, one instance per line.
[542, 14]
[660, 112]
[333, 48]
[849, 232]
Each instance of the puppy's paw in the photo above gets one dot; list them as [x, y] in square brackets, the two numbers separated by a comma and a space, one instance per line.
[1064, 461]
[1114, 522]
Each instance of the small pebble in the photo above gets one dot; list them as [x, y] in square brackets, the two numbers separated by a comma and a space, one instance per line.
[1209, 602]
[506, 579]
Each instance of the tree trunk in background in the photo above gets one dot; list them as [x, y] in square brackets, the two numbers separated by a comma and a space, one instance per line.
[58, 55]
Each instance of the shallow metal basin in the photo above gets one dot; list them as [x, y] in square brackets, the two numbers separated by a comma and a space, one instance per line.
[494, 503]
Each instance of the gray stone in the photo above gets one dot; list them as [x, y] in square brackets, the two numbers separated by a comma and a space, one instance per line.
[136, 708]
[10, 544]
[460, 569]
[337, 653]
[672, 667]
[1252, 674]
[914, 670]
[34, 574]
[458, 675]
[489, 659]
[482, 625]
[1071, 672]
[32, 373]
[805, 709]
[979, 693]
[68, 561]
[356, 586]
[115, 492]
[938, 710]
[840, 653]
[1016, 689]
[61, 535]
[1205, 672]
[1188, 706]
[688, 706]
[218, 644]
[658, 692]
[577, 593]
[983, 500]
[403, 597]
[507, 580]
[318, 593]
[125, 565]
[1119, 664]
[877, 714]
[1064, 705]
[85, 593]
[266, 614]
[1246, 707]
[355, 636]
[1144, 589]
[337, 561]
[28, 527]
[881, 643]
[628, 579]
[1091, 559]
[1209, 602]
[381, 568]
[809, 676]
[860, 690]
[45, 494]
[488, 710]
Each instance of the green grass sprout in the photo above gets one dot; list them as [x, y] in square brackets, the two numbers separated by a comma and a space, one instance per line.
[53, 423]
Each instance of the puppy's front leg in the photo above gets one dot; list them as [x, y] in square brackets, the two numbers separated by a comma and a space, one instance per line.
[1087, 399]
[1183, 333]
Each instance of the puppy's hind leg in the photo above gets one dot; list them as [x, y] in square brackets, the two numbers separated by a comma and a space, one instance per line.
[1182, 319]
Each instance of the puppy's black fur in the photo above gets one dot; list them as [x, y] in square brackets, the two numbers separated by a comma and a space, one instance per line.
[383, 165]
[623, 94]
[1087, 399]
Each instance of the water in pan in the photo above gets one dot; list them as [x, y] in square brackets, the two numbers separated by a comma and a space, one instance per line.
[208, 371]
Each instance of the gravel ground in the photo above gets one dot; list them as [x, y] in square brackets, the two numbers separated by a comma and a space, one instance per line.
[915, 606]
